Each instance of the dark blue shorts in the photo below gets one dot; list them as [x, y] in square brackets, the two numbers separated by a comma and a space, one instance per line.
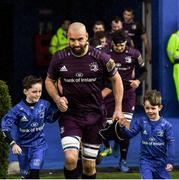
[150, 170]
[31, 158]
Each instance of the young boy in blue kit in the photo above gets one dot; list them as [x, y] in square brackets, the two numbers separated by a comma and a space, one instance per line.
[29, 116]
[157, 144]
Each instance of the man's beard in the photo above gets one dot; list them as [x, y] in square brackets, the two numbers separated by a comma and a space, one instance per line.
[80, 50]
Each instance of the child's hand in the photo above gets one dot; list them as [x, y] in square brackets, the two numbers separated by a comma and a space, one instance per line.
[16, 149]
[122, 122]
[169, 167]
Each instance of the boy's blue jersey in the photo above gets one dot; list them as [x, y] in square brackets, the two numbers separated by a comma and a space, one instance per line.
[157, 142]
[29, 121]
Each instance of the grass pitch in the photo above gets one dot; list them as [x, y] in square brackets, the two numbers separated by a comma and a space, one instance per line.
[102, 173]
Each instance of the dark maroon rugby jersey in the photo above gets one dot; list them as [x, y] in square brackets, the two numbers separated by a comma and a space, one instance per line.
[81, 77]
[126, 62]
[135, 30]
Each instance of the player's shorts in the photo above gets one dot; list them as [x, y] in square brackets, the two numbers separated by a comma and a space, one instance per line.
[128, 103]
[153, 170]
[77, 126]
[31, 158]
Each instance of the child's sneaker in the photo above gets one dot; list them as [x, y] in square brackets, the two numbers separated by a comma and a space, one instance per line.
[123, 167]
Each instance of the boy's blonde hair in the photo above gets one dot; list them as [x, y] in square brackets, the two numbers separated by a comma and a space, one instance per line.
[154, 97]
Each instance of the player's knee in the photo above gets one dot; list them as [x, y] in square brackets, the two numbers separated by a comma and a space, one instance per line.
[71, 161]
[89, 167]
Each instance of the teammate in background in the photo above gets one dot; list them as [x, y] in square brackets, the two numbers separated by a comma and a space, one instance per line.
[81, 69]
[116, 25]
[29, 116]
[97, 27]
[136, 31]
[100, 40]
[157, 139]
[59, 41]
[126, 59]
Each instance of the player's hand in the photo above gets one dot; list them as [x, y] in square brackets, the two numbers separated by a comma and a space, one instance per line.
[16, 149]
[169, 167]
[62, 103]
[117, 116]
[134, 83]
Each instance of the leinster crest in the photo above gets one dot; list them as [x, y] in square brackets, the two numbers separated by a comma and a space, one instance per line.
[128, 59]
[94, 66]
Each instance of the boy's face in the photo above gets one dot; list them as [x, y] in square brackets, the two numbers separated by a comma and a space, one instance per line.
[34, 93]
[152, 111]
[103, 41]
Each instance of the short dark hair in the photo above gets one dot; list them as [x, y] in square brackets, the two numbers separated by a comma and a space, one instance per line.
[99, 22]
[154, 97]
[129, 9]
[116, 19]
[28, 81]
[100, 34]
[119, 36]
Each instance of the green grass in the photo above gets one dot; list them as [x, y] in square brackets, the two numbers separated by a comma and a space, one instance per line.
[103, 173]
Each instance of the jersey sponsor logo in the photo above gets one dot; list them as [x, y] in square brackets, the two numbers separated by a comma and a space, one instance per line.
[151, 139]
[79, 74]
[118, 65]
[131, 34]
[152, 143]
[34, 124]
[24, 119]
[94, 66]
[79, 79]
[34, 129]
[63, 69]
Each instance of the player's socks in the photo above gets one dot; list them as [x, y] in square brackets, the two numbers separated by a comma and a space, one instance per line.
[33, 174]
[79, 168]
[115, 150]
[84, 176]
[124, 145]
[70, 174]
